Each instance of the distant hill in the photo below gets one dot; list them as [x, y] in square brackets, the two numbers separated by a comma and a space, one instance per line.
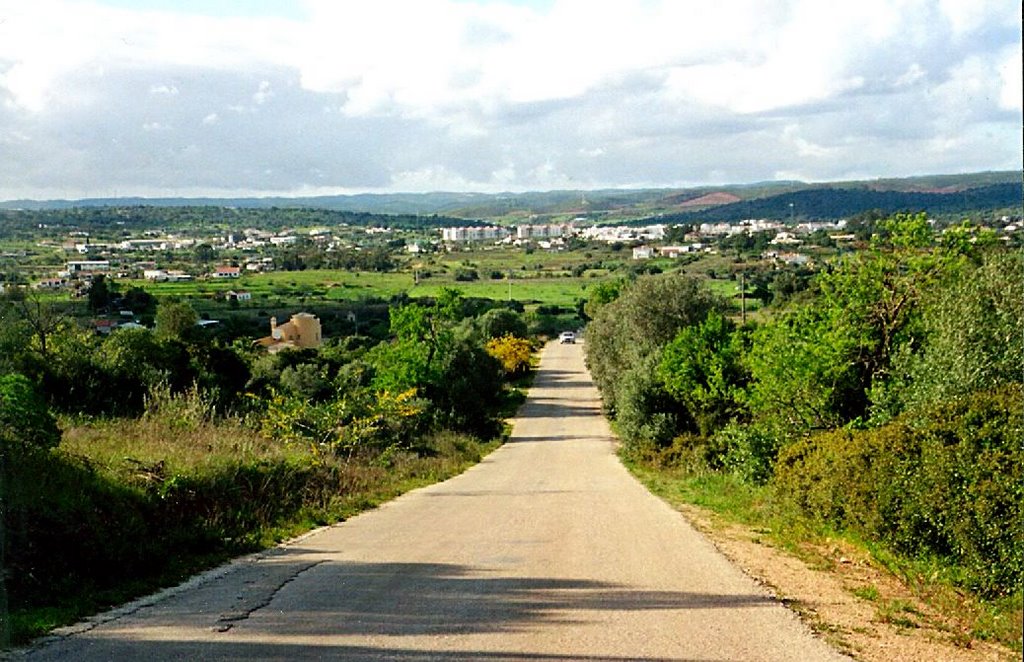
[711, 200]
[937, 194]
[836, 203]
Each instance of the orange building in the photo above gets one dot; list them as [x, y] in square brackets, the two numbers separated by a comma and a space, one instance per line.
[302, 331]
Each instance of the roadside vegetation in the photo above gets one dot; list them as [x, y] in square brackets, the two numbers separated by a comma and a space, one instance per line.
[134, 460]
[868, 388]
[883, 404]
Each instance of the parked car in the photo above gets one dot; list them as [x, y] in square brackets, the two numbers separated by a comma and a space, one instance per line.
[567, 337]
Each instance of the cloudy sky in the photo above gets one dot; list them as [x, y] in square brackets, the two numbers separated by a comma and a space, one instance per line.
[209, 97]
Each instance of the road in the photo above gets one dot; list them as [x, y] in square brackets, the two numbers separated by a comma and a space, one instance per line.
[546, 550]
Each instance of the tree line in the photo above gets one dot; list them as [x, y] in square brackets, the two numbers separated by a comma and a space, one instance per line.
[885, 399]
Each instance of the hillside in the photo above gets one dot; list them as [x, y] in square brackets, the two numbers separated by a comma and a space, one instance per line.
[938, 194]
[837, 203]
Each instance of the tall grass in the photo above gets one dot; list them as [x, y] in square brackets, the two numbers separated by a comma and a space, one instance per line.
[123, 507]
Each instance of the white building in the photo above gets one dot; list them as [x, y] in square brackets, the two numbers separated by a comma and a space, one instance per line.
[476, 233]
[86, 266]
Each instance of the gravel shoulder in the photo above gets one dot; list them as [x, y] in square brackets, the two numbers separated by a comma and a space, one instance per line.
[857, 606]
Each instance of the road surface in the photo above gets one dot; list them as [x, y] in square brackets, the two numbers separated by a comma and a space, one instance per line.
[546, 550]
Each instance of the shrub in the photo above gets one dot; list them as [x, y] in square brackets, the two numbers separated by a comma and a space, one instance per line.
[513, 353]
[465, 275]
[945, 480]
[749, 451]
[24, 419]
[645, 413]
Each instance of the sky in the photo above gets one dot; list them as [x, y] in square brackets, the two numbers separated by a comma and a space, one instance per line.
[109, 98]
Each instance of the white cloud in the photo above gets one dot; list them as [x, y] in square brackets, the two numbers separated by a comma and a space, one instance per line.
[1010, 73]
[500, 95]
[913, 75]
[431, 178]
[966, 16]
[263, 94]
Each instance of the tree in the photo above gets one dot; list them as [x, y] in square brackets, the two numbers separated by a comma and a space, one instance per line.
[307, 381]
[175, 320]
[816, 366]
[702, 368]
[101, 293]
[408, 361]
[139, 301]
[466, 389]
[642, 320]
[970, 338]
[801, 378]
[601, 294]
[42, 317]
[499, 322]
[204, 253]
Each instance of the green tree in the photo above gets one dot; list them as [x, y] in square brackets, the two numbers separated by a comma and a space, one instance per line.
[204, 253]
[101, 293]
[702, 368]
[306, 380]
[624, 348]
[801, 378]
[971, 338]
[410, 359]
[640, 322]
[41, 316]
[815, 366]
[601, 294]
[466, 389]
[175, 320]
[139, 301]
[499, 322]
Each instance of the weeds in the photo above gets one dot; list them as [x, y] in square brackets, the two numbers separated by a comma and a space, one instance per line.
[161, 497]
[898, 613]
[869, 592]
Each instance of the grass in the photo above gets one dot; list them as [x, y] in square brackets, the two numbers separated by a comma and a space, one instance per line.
[192, 492]
[897, 612]
[313, 287]
[868, 592]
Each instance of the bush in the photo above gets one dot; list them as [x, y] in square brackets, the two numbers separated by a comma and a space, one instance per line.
[24, 419]
[466, 275]
[645, 413]
[943, 481]
[467, 393]
[513, 353]
[749, 451]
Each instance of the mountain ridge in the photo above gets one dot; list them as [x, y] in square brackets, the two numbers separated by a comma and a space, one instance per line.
[761, 199]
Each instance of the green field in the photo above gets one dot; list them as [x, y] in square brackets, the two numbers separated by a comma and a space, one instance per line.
[340, 286]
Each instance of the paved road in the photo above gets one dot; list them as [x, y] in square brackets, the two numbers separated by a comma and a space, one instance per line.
[547, 550]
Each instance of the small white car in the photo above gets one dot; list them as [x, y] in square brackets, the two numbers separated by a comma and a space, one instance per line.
[567, 337]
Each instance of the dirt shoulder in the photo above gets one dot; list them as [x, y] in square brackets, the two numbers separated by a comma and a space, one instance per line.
[860, 608]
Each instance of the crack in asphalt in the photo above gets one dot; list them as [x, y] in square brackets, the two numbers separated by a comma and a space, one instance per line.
[260, 591]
